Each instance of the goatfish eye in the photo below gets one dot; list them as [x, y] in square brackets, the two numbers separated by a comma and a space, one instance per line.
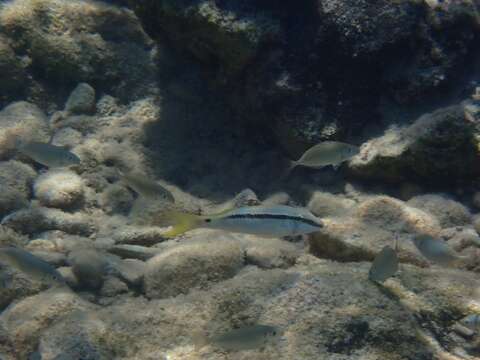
[208, 220]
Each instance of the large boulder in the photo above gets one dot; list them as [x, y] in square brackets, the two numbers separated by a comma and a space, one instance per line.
[438, 148]
[25, 321]
[23, 120]
[16, 180]
[412, 316]
[377, 222]
[59, 189]
[196, 263]
[65, 43]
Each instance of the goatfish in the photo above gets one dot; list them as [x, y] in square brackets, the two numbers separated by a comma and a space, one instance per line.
[245, 338]
[324, 154]
[270, 221]
[31, 265]
[48, 154]
[436, 250]
[145, 187]
[384, 266]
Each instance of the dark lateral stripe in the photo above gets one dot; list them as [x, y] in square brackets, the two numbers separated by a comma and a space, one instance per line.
[278, 217]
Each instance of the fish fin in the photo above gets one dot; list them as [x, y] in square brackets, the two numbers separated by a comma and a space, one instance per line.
[50, 141]
[182, 222]
[289, 169]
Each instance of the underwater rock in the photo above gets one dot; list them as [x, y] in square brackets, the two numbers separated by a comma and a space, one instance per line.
[211, 31]
[324, 204]
[67, 137]
[89, 267]
[116, 199]
[69, 276]
[129, 270]
[268, 253]
[65, 242]
[37, 219]
[16, 286]
[12, 70]
[438, 148]
[59, 189]
[139, 235]
[134, 251]
[397, 216]
[194, 264]
[79, 335]
[26, 121]
[460, 238]
[89, 47]
[448, 211]
[376, 223]
[367, 321]
[9, 237]
[81, 100]
[16, 180]
[112, 287]
[25, 321]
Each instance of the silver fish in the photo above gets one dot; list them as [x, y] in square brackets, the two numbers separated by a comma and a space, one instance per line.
[271, 221]
[471, 321]
[324, 154]
[48, 154]
[435, 250]
[142, 185]
[384, 265]
[31, 265]
[245, 338]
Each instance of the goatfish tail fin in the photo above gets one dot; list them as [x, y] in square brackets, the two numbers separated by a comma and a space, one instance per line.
[181, 222]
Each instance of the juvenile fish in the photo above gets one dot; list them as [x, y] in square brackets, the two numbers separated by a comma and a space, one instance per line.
[31, 265]
[436, 250]
[324, 154]
[48, 154]
[384, 265]
[271, 221]
[245, 338]
[146, 187]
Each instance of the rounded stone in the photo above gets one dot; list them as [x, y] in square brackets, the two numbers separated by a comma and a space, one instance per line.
[81, 100]
[192, 265]
[59, 189]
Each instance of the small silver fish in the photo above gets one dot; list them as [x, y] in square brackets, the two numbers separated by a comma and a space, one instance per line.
[245, 338]
[471, 321]
[48, 154]
[146, 187]
[271, 221]
[31, 265]
[324, 154]
[384, 265]
[435, 250]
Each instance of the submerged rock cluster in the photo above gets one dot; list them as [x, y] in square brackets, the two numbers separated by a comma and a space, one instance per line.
[209, 96]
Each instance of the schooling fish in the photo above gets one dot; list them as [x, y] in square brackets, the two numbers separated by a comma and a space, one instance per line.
[436, 250]
[146, 187]
[48, 154]
[271, 221]
[245, 338]
[31, 265]
[384, 265]
[324, 154]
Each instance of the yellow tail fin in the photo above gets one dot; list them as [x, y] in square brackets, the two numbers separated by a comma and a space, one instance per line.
[182, 222]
